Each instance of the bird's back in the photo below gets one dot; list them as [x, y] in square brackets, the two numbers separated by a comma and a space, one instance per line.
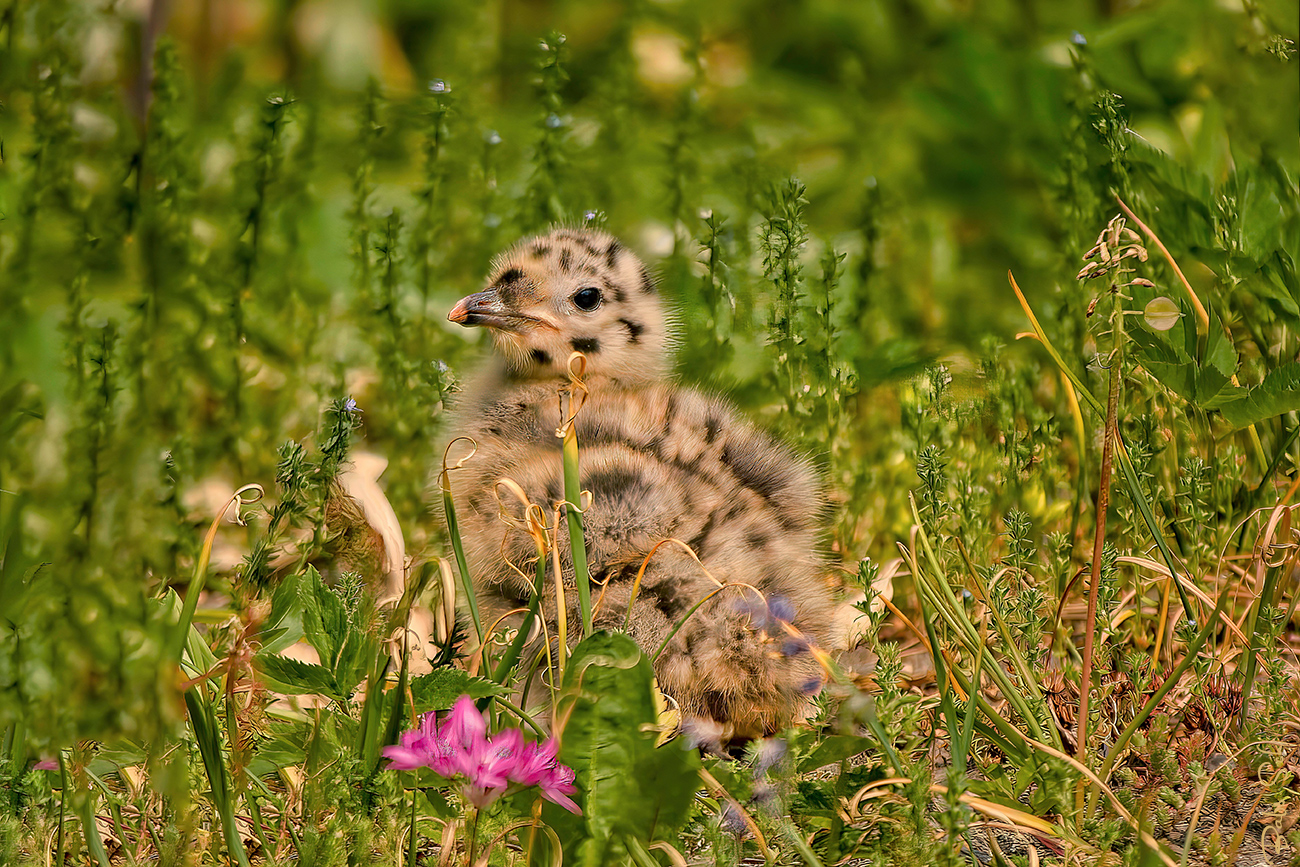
[665, 462]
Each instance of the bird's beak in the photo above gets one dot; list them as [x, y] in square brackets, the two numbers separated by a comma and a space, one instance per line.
[487, 308]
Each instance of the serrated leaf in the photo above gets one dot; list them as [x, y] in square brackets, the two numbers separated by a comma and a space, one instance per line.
[1178, 378]
[284, 624]
[1220, 354]
[439, 689]
[324, 619]
[293, 677]
[1278, 393]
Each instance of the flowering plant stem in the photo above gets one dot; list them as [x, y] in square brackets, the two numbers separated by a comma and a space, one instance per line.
[1139, 497]
[1098, 543]
[412, 839]
[471, 835]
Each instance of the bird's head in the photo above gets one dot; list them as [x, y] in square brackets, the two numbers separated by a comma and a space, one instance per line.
[572, 290]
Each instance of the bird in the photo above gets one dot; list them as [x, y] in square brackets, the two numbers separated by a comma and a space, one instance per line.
[661, 461]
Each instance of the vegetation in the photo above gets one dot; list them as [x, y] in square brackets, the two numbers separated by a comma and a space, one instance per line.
[229, 239]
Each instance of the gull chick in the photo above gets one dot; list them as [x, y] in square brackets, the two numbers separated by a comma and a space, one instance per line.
[661, 461]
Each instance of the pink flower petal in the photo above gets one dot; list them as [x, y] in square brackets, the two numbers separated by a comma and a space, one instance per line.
[464, 727]
[402, 758]
[535, 763]
[558, 785]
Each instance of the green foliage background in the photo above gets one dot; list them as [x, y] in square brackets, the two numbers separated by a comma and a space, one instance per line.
[216, 220]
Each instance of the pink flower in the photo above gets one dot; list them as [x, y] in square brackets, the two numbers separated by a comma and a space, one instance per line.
[538, 766]
[460, 747]
[465, 726]
[487, 766]
[413, 751]
[46, 765]
[558, 785]
[535, 763]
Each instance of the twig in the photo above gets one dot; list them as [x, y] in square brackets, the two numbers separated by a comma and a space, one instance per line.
[1098, 546]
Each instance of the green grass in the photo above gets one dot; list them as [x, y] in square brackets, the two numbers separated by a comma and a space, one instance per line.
[199, 269]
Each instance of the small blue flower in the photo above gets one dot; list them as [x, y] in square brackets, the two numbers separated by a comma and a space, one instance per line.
[350, 406]
[1078, 38]
[781, 608]
[812, 686]
[795, 645]
[755, 609]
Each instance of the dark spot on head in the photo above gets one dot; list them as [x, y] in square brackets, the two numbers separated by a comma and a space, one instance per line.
[566, 259]
[540, 251]
[614, 289]
[612, 253]
[756, 539]
[588, 345]
[588, 270]
[712, 426]
[634, 331]
[494, 430]
[508, 284]
[647, 282]
[541, 356]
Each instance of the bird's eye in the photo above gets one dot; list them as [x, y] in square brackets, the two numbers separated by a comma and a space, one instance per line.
[587, 299]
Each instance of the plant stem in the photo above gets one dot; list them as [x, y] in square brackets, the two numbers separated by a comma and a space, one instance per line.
[458, 548]
[573, 493]
[1098, 546]
[411, 846]
[472, 828]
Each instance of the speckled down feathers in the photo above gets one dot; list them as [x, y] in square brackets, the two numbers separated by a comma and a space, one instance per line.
[661, 461]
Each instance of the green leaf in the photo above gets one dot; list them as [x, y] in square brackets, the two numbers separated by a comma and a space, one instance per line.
[834, 749]
[438, 803]
[324, 619]
[1220, 354]
[1277, 394]
[197, 657]
[293, 677]
[284, 624]
[627, 787]
[439, 689]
